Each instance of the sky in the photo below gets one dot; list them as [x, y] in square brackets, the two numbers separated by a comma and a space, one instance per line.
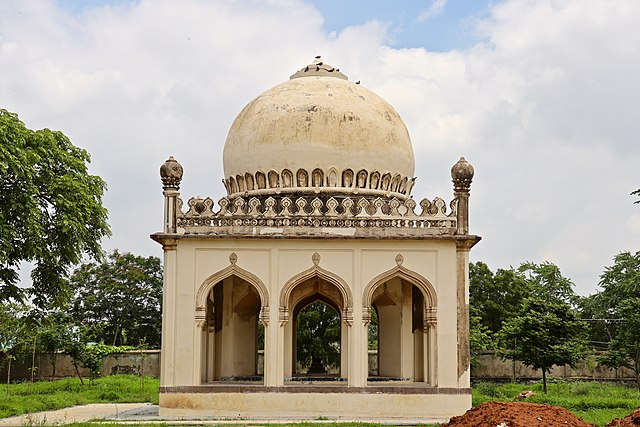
[542, 97]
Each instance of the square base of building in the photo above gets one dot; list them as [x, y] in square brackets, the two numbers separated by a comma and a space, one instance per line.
[355, 404]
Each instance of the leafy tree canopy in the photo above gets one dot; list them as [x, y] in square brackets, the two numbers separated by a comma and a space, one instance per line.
[621, 280]
[479, 338]
[494, 298]
[546, 281]
[624, 348]
[545, 332]
[119, 300]
[318, 334]
[618, 282]
[51, 211]
[12, 327]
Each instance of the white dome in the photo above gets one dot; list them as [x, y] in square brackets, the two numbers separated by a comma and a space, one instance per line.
[318, 131]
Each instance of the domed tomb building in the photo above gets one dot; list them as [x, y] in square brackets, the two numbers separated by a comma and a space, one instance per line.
[318, 173]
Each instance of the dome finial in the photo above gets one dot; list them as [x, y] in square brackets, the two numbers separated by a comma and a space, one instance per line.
[318, 68]
[462, 175]
[171, 174]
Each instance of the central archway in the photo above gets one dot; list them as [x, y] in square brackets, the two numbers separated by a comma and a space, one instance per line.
[317, 339]
[311, 286]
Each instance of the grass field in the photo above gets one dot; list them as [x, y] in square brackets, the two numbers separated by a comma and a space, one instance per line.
[597, 403]
[48, 395]
[594, 402]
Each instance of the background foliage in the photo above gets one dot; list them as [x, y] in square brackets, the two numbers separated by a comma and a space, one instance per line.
[51, 211]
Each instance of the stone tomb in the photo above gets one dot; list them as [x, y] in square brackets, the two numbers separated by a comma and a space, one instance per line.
[318, 175]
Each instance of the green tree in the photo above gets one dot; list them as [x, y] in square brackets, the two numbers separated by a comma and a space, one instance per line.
[12, 333]
[54, 330]
[119, 300]
[624, 348]
[495, 298]
[318, 334]
[546, 332]
[51, 211]
[621, 280]
[74, 344]
[618, 282]
[546, 281]
[479, 338]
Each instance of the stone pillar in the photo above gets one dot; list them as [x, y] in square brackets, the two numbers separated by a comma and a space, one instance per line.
[429, 345]
[167, 377]
[462, 303]
[171, 175]
[462, 175]
[406, 332]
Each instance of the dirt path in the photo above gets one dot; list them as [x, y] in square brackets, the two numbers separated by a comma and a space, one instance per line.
[76, 414]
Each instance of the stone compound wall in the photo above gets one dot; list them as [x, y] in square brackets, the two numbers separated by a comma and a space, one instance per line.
[489, 367]
[113, 364]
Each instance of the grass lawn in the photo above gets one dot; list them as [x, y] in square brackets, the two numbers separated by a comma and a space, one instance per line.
[594, 402]
[597, 403]
[50, 395]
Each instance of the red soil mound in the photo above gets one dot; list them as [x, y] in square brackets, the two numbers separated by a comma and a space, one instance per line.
[517, 414]
[632, 420]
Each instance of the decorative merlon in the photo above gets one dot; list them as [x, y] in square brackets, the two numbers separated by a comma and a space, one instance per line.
[316, 212]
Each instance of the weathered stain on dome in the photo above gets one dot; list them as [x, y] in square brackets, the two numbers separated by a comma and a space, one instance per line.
[319, 123]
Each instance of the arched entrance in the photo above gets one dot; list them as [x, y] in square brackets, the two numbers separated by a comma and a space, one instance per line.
[315, 285]
[229, 312]
[317, 340]
[403, 304]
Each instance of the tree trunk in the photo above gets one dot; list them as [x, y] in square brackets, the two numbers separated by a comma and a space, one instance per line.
[53, 364]
[142, 356]
[544, 380]
[115, 336]
[75, 365]
[33, 363]
[8, 372]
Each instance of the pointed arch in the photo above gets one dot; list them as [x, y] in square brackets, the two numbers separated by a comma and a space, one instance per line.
[316, 271]
[427, 289]
[232, 270]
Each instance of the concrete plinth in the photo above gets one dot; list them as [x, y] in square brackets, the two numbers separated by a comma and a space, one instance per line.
[338, 402]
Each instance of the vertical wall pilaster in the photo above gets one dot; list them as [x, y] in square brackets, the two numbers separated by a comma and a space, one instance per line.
[168, 312]
[462, 304]
[406, 339]
[358, 356]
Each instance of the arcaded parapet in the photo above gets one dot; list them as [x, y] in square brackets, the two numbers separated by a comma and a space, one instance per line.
[320, 209]
[317, 212]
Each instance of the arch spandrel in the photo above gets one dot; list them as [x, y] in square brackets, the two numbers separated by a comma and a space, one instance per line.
[316, 271]
[427, 289]
[231, 270]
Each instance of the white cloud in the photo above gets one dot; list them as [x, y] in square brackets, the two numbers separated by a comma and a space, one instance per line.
[435, 9]
[546, 109]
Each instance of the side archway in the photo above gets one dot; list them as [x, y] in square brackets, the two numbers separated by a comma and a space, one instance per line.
[427, 289]
[231, 313]
[405, 306]
[232, 270]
